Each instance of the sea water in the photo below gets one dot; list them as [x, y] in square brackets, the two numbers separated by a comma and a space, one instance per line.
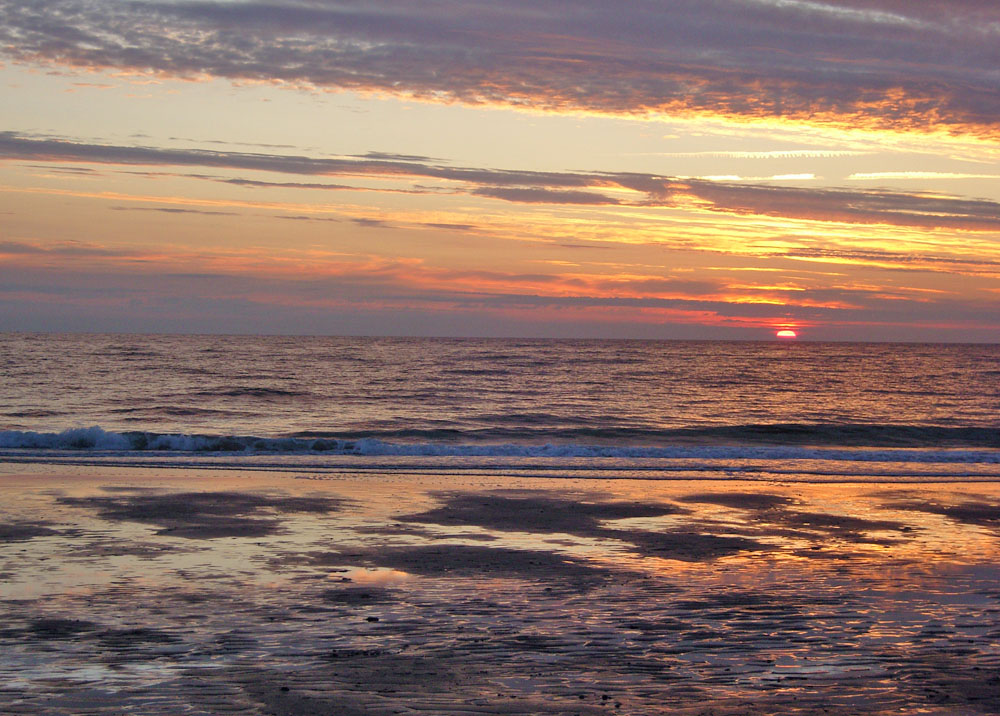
[651, 409]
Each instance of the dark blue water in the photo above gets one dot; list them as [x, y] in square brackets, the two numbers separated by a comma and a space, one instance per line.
[628, 400]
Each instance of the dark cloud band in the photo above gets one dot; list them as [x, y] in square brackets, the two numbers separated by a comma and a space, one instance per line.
[850, 206]
[917, 65]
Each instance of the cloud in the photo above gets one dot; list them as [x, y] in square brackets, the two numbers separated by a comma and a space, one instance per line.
[17, 247]
[849, 206]
[174, 210]
[449, 226]
[367, 299]
[915, 66]
[895, 260]
[244, 289]
[223, 142]
[359, 277]
[281, 185]
[539, 195]
[18, 146]
[257, 183]
[371, 223]
[64, 170]
[852, 207]
[64, 250]
[301, 217]
[384, 283]
[390, 156]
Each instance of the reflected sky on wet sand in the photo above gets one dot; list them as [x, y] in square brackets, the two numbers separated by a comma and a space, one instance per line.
[366, 594]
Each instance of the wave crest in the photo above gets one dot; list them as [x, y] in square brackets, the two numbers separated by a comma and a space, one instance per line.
[97, 439]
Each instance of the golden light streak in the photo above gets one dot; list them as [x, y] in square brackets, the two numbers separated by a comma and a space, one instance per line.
[876, 122]
[693, 225]
[297, 264]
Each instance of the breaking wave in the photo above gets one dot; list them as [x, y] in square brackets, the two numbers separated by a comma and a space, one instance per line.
[96, 439]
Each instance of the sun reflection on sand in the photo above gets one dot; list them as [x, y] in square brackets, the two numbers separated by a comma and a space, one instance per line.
[376, 576]
[735, 596]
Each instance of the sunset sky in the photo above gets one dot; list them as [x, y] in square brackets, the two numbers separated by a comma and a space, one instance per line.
[687, 169]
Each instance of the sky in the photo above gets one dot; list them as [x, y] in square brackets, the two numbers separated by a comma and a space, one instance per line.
[704, 169]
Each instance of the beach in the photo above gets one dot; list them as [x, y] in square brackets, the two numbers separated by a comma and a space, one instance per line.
[518, 358]
[171, 590]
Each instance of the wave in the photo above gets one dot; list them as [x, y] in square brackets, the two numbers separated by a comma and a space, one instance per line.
[40, 413]
[95, 439]
[248, 392]
[171, 410]
[804, 434]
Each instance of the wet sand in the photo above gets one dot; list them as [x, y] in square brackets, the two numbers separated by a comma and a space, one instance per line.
[166, 591]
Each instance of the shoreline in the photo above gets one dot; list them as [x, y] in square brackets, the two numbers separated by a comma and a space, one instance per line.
[760, 469]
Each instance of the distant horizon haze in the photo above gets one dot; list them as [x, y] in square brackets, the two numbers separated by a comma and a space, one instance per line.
[765, 338]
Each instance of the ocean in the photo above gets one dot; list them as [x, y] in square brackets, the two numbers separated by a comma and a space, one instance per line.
[794, 411]
[264, 525]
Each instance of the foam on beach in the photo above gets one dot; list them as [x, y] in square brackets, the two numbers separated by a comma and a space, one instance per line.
[99, 440]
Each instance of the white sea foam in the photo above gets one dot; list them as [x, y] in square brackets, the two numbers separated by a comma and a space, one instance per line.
[95, 439]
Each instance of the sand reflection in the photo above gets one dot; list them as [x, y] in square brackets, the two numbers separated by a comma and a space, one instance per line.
[267, 594]
[373, 577]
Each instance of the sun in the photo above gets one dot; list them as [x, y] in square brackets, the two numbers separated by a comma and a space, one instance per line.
[786, 333]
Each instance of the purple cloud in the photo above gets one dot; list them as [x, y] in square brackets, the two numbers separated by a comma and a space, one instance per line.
[540, 195]
[852, 206]
[882, 63]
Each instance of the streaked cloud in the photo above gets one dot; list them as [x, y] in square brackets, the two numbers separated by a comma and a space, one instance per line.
[273, 293]
[539, 195]
[174, 210]
[849, 206]
[879, 64]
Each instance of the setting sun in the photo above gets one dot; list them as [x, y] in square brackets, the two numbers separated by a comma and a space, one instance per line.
[786, 333]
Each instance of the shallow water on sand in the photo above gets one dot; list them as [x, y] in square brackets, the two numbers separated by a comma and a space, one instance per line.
[173, 591]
